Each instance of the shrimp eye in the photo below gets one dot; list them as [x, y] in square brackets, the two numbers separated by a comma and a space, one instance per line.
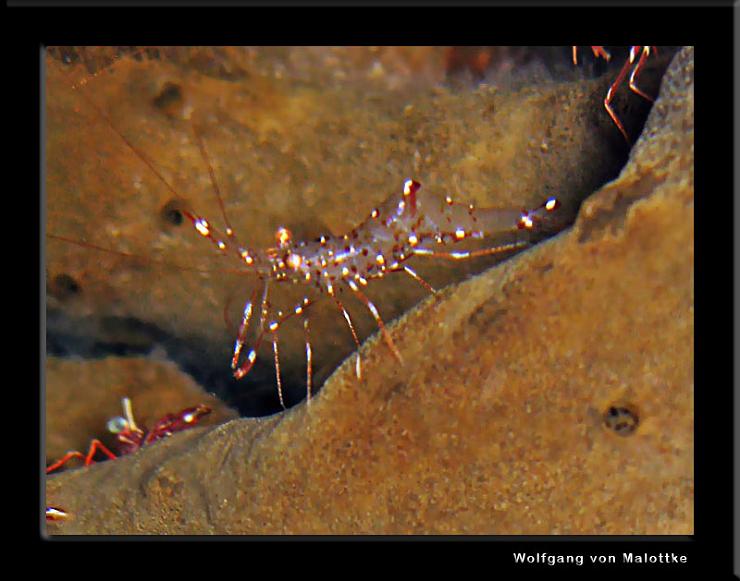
[552, 204]
[117, 425]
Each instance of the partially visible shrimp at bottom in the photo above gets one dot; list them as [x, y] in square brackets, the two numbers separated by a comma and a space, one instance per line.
[130, 437]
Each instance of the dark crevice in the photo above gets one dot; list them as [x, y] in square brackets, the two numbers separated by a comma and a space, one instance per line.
[253, 396]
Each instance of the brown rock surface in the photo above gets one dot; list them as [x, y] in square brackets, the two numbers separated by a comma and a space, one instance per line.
[551, 394]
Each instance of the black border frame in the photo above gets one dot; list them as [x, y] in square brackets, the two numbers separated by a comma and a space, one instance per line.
[710, 30]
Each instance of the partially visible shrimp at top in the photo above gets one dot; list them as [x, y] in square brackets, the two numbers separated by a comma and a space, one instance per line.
[633, 64]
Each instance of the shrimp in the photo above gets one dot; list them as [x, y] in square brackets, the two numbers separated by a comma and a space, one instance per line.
[403, 227]
[130, 437]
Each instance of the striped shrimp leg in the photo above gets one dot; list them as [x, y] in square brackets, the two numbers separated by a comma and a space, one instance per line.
[272, 329]
[95, 446]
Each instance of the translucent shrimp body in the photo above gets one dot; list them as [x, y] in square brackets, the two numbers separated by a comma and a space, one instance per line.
[400, 228]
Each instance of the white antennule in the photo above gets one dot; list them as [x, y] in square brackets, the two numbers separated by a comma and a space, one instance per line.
[128, 412]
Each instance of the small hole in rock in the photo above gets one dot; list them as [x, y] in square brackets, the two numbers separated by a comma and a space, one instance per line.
[622, 419]
[169, 99]
[171, 213]
[64, 287]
